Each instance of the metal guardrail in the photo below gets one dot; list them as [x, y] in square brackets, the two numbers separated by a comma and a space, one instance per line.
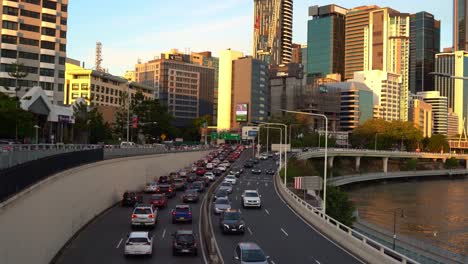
[346, 231]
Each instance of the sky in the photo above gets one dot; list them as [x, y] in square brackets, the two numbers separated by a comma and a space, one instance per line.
[143, 29]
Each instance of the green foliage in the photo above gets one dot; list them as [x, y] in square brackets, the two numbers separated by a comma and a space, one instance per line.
[384, 135]
[89, 125]
[451, 163]
[10, 115]
[298, 168]
[410, 165]
[339, 206]
[436, 143]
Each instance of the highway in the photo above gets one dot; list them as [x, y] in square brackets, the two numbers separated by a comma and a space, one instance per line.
[275, 228]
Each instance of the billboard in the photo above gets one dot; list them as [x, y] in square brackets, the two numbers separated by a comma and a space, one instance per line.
[241, 112]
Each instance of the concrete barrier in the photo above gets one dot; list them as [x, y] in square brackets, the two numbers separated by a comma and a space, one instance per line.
[36, 223]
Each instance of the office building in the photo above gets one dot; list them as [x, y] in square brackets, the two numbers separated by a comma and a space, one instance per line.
[386, 48]
[273, 21]
[249, 88]
[439, 110]
[287, 86]
[34, 34]
[185, 88]
[424, 45]
[296, 53]
[226, 58]
[456, 90]
[356, 104]
[357, 19]
[386, 87]
[452, 124]
[326, 40]
[304, 57]
[420, 114]
[460, 25]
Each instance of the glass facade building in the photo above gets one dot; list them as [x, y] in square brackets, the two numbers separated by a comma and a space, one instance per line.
[460, 25]
[424, 44]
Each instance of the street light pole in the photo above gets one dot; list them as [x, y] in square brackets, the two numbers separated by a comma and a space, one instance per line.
[375, 142]
[128, 115]
[326, 153]
[394, 224]
[37, 133]
[281, 146]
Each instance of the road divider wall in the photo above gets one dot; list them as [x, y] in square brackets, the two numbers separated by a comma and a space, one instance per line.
[37, 222]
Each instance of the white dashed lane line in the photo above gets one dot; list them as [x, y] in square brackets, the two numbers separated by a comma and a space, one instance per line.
[164, 233]
[282, 230]
[250, 231]
[120, 242]
[266, 211]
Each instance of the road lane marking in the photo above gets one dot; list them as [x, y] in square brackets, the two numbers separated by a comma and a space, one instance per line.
[318, 262]
[120, 242]
[164, 233]
[272, 262]
[284, 232]
[258, 183]
[236, 197]
[266, 184]
[248, 183]
[266, 211]
[250, 231]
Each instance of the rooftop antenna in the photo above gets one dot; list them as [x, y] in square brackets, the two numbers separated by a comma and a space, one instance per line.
[99, 57]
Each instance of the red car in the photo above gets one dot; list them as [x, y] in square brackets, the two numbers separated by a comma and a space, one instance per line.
[158, 200]
[200, 171]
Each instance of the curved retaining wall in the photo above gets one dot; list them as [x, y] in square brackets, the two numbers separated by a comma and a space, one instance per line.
[36, 223]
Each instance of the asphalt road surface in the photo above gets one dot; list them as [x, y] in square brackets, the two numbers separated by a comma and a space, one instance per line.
[276, 228]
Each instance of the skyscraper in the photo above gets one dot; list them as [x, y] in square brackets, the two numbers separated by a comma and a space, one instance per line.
[34, 33]
[424, 44]
[326, 40]
[357, 20]
[273, 31]
[439, 110]
[460, 25]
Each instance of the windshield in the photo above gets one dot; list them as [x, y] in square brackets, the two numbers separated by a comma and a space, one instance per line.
[222, 201]
[251, 194]
[191, 192]
[142, 211]
[253, 255]
[232, 216]
[157, 197]
[178, 180]
[226, 184]
[185, 238]
[134, 240]
[182, 210]
[221, 193]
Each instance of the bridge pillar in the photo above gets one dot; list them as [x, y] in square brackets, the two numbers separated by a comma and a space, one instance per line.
[385, 164]
[330, 161]
[358, 163]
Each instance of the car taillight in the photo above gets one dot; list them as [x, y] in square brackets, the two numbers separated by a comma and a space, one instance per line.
[134, 216]
[195, 244]
[170, 190]
[173, 213]
[190, 213]
[158, 190]
[151, 216]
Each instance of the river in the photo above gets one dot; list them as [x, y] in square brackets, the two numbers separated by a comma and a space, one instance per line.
[434, 210]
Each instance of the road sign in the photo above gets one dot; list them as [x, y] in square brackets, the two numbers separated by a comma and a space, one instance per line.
[253, 133]
[163, 136]
[308, 183]
[214, 135]
[230, 136]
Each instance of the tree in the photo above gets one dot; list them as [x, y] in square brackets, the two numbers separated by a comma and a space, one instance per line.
[339, 206]
[89, 125]
[15, 121]
[451, 163]
[437, 143]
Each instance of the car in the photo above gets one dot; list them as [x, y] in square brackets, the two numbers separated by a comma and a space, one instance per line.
[226, 186]
[248, 164]
[206, 180]
[270, 154]
[158, 200]
[263, 157]
[217, 172]
[138, 243]
[168, 189]
[164, 179]
[200, 171]
[151, 187]
[231, 221]
[191, 177]
[131, 198]
[221, 205]
[210, 176]
[182, 173]
[173, 175]
[270, 171]
[231, 179]
[180, 184]
[249, 252]
[209, 166]
[237, 172]
[223, 193]
[182, 213]
[256, 171]
[226, 164]
[251, 198]
[190, 195]
[184, 241]
[144, 215]
[198, 185]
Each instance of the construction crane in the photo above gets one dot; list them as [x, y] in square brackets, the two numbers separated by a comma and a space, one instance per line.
[99, 57]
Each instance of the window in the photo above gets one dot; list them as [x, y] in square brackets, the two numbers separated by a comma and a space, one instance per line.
[46, 72]
[47, 58]
[63, 34]
[48, 31]
[31, 42]
[47, 86]
[62, 60]
[35, 2]
[47, 45]
[28, 27]
[84, 86]
[9, 25]
[49, 18]
[28, 13]
[64, 8]
[9, 39]
[60, 87]
[49, 4]
[30, 69]
[63, 47]
[8, 10]
[61, 74]
[75, 86]
[92, 87]
[28, 55]
[8, 53]
[75, 95]
[63, 21]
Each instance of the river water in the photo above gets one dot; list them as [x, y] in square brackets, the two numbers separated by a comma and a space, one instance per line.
[434, 210]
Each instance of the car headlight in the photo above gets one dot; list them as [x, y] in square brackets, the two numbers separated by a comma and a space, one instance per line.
[241, 226]
[226, 226]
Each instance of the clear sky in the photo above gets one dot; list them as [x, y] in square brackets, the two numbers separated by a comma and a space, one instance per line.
[142, 29]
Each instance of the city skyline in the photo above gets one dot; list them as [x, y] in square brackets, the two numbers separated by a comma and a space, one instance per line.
[138, 38]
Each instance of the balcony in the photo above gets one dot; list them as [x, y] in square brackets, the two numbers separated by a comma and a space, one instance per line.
[48, 24]
[49, 38]
[9, 46]
[11, 3]
[10, 32]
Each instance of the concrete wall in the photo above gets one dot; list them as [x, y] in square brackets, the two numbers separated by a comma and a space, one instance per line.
[36, 223]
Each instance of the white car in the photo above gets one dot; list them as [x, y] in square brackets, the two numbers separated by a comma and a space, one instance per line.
[264, 156]
[144, 215]
[210, 176]
[231, 179]
[251, 198]
[226, 164]
[222, 168]
[209, 166]
[138, 243]
[151, 187]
